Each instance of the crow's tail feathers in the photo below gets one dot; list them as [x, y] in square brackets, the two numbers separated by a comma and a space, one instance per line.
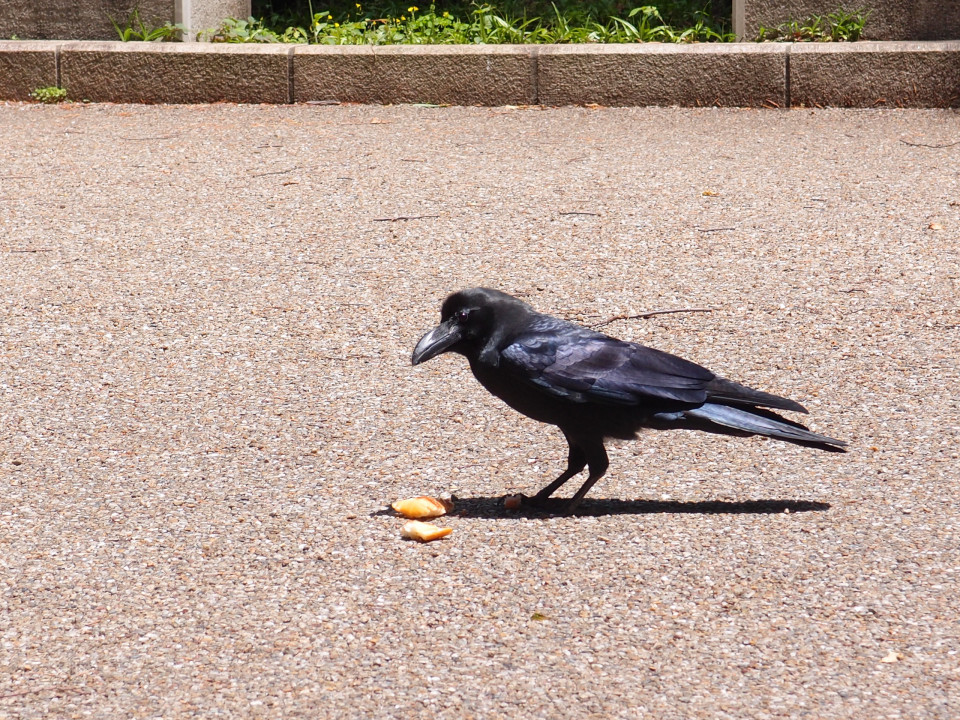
[727, 392]
[725, 419]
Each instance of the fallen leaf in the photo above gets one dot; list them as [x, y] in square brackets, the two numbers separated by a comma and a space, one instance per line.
[935, 226]
[892, 657]
[710, 193]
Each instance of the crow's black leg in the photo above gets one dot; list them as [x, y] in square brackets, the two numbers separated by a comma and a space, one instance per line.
[576, 461]
[597, 459]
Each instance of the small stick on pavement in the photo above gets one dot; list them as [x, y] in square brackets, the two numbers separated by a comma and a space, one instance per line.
[935, 147]
[645, 315]
[276, 172]
[404, 217]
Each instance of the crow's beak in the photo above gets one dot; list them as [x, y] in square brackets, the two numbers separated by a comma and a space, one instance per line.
[437, 341]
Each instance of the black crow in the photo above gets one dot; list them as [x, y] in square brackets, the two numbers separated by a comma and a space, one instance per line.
[593, 386]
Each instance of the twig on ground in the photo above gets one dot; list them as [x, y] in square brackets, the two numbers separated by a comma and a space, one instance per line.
[581, 213]
[926, 145]
[404, 217]
[276, 172]
[645, 315]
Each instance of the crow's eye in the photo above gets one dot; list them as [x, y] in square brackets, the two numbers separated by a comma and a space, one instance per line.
[462, 315]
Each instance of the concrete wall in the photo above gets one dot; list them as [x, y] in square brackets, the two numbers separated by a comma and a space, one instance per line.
[200, 15]
[90, 19]
[890, 19]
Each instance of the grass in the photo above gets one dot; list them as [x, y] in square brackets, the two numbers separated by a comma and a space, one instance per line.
[839, 26]
[561, 22]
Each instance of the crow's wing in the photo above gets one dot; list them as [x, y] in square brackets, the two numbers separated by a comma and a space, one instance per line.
[582, 365]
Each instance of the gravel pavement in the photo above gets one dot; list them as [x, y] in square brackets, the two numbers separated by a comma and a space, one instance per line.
[206, 404]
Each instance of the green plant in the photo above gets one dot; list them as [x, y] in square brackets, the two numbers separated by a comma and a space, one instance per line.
[136, 29]
[676, 13]
[243, 31]
[838, 26]
[49, 95]
[566, 22]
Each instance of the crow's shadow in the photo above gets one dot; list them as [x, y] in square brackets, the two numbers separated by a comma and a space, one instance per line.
[492, 507]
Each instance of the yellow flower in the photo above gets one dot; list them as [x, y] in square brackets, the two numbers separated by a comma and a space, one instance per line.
[358, 6]
[403, 17]
[446, 14]
[336, 24]
[412, 8]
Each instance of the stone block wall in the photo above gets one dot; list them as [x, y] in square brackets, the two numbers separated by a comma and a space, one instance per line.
[889, 19]
[91, 19]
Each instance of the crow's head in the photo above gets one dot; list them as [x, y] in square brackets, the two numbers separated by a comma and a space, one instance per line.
[472, 321]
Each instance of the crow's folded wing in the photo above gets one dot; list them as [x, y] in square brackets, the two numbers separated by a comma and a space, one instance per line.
[582, 365]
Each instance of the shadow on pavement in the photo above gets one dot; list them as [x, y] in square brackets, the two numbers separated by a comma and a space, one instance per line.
[492, 507]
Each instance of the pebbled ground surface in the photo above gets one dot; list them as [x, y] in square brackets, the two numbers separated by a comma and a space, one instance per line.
[206, 405]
